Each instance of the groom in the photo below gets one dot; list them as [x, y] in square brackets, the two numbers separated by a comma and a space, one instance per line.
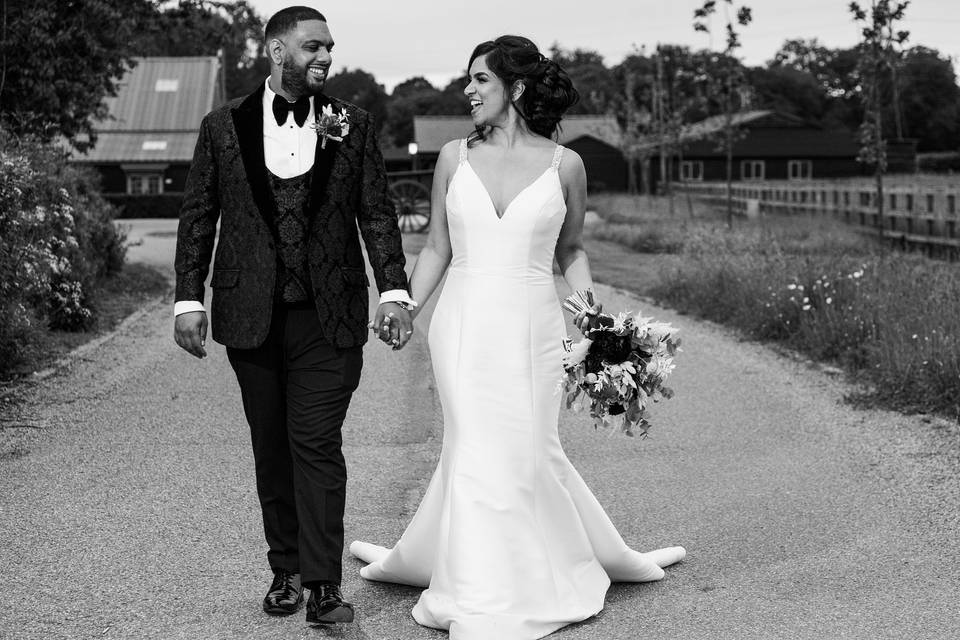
[291, 174]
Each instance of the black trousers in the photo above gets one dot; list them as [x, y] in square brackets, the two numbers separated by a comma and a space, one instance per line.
[296, 389]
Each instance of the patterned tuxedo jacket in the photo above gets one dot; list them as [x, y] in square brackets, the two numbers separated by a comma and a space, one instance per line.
[228, 181]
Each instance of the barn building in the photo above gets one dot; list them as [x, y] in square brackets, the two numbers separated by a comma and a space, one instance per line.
[143, 150]
[769, 146]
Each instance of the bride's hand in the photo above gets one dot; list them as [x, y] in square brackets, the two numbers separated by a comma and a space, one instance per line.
[586, 319]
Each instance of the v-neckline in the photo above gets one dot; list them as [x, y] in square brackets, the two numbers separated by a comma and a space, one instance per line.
[512, 200]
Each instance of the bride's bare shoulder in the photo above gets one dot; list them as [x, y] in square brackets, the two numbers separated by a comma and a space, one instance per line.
[449, 155]
[571, 165]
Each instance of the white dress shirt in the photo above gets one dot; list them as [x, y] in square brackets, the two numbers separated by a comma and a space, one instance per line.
[288, 151]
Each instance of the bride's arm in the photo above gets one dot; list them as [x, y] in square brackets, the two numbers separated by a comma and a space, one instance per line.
[570, 253]
[435, 255]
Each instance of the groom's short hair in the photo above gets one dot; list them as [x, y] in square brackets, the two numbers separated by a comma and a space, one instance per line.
[287, 19]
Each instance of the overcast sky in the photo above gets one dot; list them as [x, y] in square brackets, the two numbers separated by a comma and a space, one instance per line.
[398, 39]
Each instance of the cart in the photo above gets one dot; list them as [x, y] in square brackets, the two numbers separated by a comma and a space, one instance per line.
[410, 191]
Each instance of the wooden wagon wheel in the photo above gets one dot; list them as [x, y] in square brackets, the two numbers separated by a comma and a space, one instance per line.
[412, 202]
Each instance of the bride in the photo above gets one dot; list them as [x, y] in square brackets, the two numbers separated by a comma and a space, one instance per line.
[508, 541]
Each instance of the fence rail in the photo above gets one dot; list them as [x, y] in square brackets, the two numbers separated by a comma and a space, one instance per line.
[921, 215]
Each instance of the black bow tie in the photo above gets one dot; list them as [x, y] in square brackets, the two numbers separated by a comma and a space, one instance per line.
[300, 109]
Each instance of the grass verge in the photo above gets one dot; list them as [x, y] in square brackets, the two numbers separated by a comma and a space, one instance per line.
[113, 299]
[818, 287]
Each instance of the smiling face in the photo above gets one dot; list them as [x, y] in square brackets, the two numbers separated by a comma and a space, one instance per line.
[303, 55]
[489, 101]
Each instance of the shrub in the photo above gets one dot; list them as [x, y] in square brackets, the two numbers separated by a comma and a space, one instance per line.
[57, 239]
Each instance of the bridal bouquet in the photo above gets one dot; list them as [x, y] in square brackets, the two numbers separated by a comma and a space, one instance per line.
[620, 366]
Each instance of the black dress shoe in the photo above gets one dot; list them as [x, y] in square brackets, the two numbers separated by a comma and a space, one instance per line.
[285, 595]
[327, 606]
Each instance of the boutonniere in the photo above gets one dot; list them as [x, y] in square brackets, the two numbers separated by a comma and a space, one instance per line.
[331, 126]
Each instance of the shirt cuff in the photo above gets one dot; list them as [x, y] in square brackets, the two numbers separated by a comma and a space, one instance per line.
[397, 295]
[186, 306]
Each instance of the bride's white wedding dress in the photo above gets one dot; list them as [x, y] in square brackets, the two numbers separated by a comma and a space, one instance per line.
[508, 538]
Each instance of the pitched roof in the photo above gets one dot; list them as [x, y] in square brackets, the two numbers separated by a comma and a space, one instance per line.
[432, 132]
[715, 124]
[142, 146]
[156, 113]
[165, 94]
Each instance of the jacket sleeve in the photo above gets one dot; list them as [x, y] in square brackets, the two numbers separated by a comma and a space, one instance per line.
[377, 218]
[198, 220]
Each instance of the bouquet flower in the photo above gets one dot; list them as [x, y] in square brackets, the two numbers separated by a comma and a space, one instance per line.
[619, 367]
[331, 126]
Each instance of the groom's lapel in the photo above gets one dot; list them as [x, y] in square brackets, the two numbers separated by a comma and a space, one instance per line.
[248, 123]
[323, 159]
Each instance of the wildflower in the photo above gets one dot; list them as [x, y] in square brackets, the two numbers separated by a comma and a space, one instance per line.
[806, 307]
[829, 300]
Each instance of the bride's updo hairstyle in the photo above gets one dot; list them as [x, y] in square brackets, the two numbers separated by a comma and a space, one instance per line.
[547, 89]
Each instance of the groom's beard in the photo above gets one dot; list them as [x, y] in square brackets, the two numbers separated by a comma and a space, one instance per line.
[297, 81]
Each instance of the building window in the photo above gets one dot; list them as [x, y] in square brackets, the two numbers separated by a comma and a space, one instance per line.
[752, 169]
[691, 170]
[144, 183]
[799, 169]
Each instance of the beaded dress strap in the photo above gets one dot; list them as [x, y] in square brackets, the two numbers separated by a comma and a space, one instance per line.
[556, 158]
[463, 151]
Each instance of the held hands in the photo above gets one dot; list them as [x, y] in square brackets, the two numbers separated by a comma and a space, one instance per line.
[190, 332]
[393, 325]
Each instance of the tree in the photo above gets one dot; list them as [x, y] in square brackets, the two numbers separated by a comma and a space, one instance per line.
[590, 76]
[877, 56]
[452, 100]
[362, 89]
[59, 59]
[634, 108]
[931, 100]
[206, 27]
[834, 70]
[730, 83]
[412, 97]
[788, 90]
[677, 102]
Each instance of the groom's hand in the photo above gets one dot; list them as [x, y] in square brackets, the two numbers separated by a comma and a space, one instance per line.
[190, 332]
[393, 325]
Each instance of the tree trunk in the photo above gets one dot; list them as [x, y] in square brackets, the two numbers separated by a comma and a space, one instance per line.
[631, 175]
[897, 115]
[729, 145]
[879, 179]
[3, 48]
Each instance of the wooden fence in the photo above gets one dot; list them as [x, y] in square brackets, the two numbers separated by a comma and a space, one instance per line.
[923, 213]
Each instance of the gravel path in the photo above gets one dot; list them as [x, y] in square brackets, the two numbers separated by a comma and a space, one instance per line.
[129, 510]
